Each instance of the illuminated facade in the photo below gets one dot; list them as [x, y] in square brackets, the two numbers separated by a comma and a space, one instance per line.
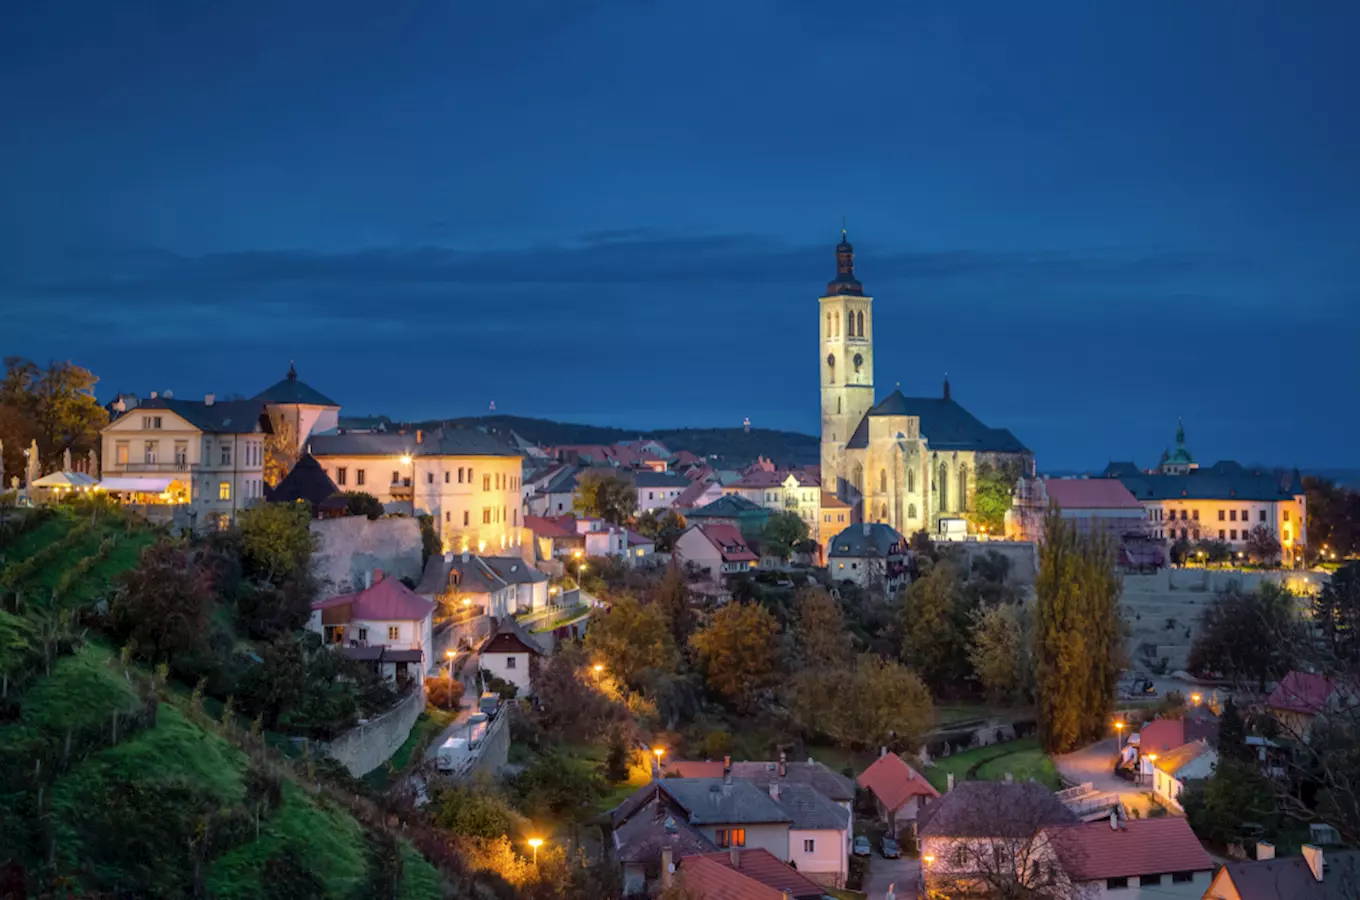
[906, 462]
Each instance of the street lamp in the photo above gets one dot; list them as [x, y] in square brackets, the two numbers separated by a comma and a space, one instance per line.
[1119, 740]
[659, 751]
[1194, 698]
[535, 843]
[450, 654]
[598, 668]
[1152, 758]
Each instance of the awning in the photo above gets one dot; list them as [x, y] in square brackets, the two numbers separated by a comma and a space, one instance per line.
[137, 485]
[64, 480]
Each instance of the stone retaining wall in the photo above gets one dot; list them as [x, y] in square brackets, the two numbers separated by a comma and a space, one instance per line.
[365, 747]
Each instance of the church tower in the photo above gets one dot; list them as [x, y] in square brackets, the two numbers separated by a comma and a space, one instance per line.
[846, 362]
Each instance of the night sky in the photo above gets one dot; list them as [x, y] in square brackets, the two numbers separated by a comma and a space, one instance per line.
[1094, 216]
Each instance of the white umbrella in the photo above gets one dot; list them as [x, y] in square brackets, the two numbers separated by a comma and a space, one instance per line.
[69, 480]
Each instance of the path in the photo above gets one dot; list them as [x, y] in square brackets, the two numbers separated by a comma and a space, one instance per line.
[1095, 763]
[467, 705]
[903, 874]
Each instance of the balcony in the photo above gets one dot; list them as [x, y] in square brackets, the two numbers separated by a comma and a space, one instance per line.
[165, 466]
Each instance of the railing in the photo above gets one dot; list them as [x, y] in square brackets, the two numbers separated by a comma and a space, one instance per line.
[149, 467]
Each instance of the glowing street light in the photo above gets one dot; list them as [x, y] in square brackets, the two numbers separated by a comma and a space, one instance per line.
[1119, 732]
[929, 858]
[450, 654]
[659, 751]
[535, 843]
[1195, 698]
[598, 668]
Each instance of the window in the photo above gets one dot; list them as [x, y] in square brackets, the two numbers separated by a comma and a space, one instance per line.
[730, 837]
[1182, 877]
[226, 453]
[1146, 880]
[460, 474]
[486, 482]
[883, 481]
[466, 515]
[1185, 512]
[224, 490]
[341, 475]
[150, 451]
[505, 513]
[396, 477]
[1246, 515]
[510, 662]
[1220, 515]
[1263, 515]
[448, 477]
[649, 495]
[121, 453]
[363, 634]
[515, 519]
[486, 516]
[151, 422]
[860, 317]
[448, 517]
[358, 476]
[1195, 516]
[911, 510]
[1195, 534]
[1233, 533]
[1232, 515]
[469, 474]
[1183, 534]
[911, 482]
[1114, 884]
[393, 632]
[1221, 535]
[429, 478]
[808, 845]
[1286, 515]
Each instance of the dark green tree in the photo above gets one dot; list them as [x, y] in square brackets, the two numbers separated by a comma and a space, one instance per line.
[276, 540]
[360, 503]
[1336, 618]
[935, 625]
[1250, 637]
[1231, 805]
[993, 486]
[1263, 545]
[663, 526]
[606, 495]
[165, 605]
[1232, 734]
[430, 542]
[1078, 637]
[782, 532]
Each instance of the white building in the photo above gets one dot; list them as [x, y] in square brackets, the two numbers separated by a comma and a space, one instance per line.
[658, 490]
[870, 554]
[507, 655]
[385, 624]
[1145, 858]
[500, 585]
[1172, 770]
[717, 550]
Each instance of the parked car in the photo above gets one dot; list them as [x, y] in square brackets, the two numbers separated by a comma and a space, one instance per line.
[891, 849]
[490, 704]
[862, 847]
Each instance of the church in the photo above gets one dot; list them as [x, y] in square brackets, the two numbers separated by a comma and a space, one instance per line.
[903, 461]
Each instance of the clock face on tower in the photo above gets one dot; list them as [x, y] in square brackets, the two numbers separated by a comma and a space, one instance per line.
[859, 361]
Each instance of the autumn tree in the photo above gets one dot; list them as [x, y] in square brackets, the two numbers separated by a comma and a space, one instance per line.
[276, 539]
[631, 639]
[573, 704]
[1078, 635]
[607, 496]
[867, 702]
[1248, 636]
[739, 653]
[164, 605]
[783, 532]
[935, 624]
[671, 596]
[1263, 545]
[663, 526]
[1001, 652]
[993, 486]
[819, 633]
[55, 405]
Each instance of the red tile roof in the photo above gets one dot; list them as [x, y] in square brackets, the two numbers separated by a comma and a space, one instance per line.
[694, 768]
[729, 542]
[831, 501]
[709, 880]
[894, 782]
[690, 495]
[1093, 851]
[760, 479]
[763, 866]
[1301, 692]
[1090, 493]
[551, 526]
[1161, 735]
[388, 600]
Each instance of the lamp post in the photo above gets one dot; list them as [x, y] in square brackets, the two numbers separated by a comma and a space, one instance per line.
[1119, 736]
[659, 751]
[450, 654]
[1194, 698]
[535, 843]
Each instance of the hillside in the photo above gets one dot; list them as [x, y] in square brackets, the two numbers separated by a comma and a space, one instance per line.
[736, 446]
[119, 786]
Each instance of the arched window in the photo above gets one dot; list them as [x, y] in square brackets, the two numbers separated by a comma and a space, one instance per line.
[838, 406]
[828, 325]
[859, 479]
[911, 482]
[883, 481]
[837, 321]
[911, 511]
[963, 488]
[883, 513]
[943, 485]
[831, 368]
[859, 316]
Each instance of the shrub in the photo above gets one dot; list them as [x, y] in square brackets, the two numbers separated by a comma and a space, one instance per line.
[360, 503]
[442, 693]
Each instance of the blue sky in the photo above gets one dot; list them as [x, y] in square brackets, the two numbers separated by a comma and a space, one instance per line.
[1094, 216]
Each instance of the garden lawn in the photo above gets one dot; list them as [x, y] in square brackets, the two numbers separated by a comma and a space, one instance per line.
[1023, 759]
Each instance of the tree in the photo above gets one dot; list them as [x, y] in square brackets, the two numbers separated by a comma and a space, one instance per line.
[631, 639]
[1248, 636]
[473, 809]
[360, 503]
[277, 683]
[1214, 551]
[869, 702]
[782, 532]
[1078, 635]
[276, 539]
[1336, 617]
[1002, 652]
[164, 605]
[607, 496]
[1232, 735]
[1228, 806]
[993, 486]
[1263, 545]
[266, 611]
[935, 625]
[431, 544]
[672, 598]
[55, 405]
[663, 526]
[738, 651]
[819, 633]
[573, 704]
[1333, 516]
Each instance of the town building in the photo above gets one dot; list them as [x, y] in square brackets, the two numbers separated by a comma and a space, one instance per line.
[658, 490]
[298, 410]
[1094, 505]
[738, 874]
[500, 586]
[906, 462]
[871, 554]
[385, 625]
[1315, 875]
[716, 550]
[509, 656]
[1143, 858]
[747, 517]
[1223, 502]
[1177, 767]
[308, 483]
[899, 791]
[467, 480]
[783, 490]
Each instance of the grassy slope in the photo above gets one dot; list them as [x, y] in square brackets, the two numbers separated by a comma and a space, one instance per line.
[85, 687]
[1023, 759]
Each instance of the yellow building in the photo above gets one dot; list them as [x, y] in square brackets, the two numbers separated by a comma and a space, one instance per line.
[466, 479]
[792, 491]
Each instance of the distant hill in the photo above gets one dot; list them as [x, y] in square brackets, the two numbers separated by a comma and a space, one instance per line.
[736, 446]
[1345, 477]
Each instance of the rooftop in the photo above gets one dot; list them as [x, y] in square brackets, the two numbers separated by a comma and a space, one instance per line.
[1095, 851]
[944, 424]
[387, 600]
[1090, 493]
[867, 540]
[763, 866]
[728, 541]
[711, 801]
[894, 782]
[728, 506]
[1177, 758]
[290, 390]
[705, 879]
[1291, 878]
[442, 442]
[1225, 480]
[1301, 692]
[224, 417]
[995, 809]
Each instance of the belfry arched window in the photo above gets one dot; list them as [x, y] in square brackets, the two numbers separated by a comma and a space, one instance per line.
[836, 319]
[831, 367]
[943, 485]
[883, 481]
[828, 326]
[911, 482]
[859, 316]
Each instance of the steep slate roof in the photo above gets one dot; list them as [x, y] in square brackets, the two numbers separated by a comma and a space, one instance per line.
[1121, 470]
[476, 576]
[641, 828]
[290, 390]
[1094, 851]
[307, 481]
[646, 478]
[709, 880]
[763, 866]
[996, 809]
[944, 424]
[1090, 493]
[223, 417]
[808, 809]
[854, 543]
[710, 801]
[1301, 692]
[1222, 481]
[513, 570]
[444, 442]
[508, 642]
[1291, 879]
[829, 784]
[728, 542]
[387, 600]
[727, 506]
[894, 782]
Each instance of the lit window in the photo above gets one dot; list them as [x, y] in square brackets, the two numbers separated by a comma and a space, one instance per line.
[358, 476]
[393, 632]
[341, 475]
[1286, 515]
[224, 490]
[486, 482]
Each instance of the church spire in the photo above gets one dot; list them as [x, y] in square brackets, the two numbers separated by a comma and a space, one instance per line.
[1180, 431]
[946, 386]
[845, 281]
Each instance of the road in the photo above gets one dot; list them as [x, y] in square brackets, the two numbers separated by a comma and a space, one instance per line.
[1095, 763]
[903, 874]
[467, 705]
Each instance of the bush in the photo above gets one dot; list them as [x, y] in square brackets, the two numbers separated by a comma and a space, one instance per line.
[359, 503]
[552, 786]
[442, 693]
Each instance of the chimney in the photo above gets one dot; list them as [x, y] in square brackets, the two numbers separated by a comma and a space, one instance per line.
[667, 867]
[368, 579]
[736, 857]
[420, 436]
[377, 575]
[1265, 850]
[209, 399]
[774, 791]
[949, 782]
[882, 752]
[120, 405]
[168, 394]
[154, 395]
[1114, 819]
[1313, 856]
[783, 764]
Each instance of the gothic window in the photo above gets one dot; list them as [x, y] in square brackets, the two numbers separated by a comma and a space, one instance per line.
[963, 488]
[837, 321]
[943, 485]
[911, 511]
[859, 479]
[838, 406]
[883, 481]
[859, 316]
[831, 367]
[883, 513]
[911, 482]
[828, 325]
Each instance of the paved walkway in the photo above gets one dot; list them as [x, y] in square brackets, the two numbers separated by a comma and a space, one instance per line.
[1095, 763]
[903, 874]
[467, 705]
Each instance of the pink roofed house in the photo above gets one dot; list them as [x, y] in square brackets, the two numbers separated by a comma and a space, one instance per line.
[385, 624]
[900, 792]
[718, 550]
[1299, 699]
